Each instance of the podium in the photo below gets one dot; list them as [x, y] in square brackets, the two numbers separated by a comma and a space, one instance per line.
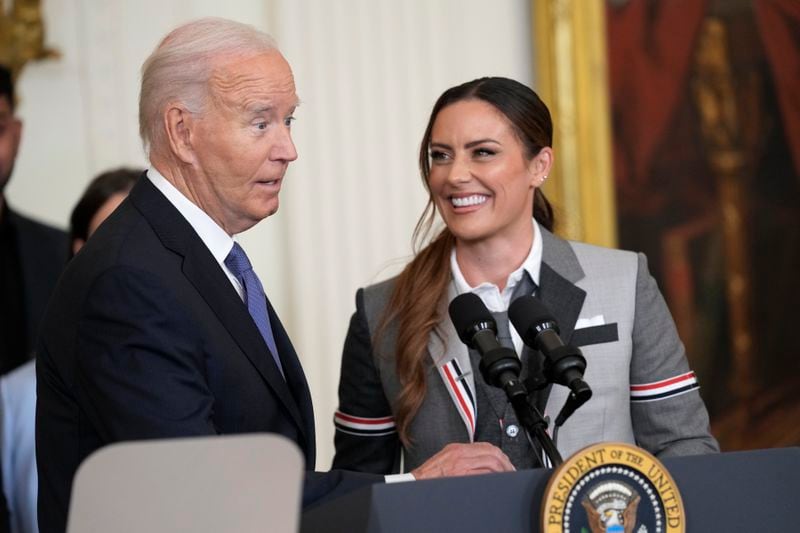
[738, 491]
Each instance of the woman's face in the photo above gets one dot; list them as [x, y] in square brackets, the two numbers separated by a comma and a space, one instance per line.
[480, 179]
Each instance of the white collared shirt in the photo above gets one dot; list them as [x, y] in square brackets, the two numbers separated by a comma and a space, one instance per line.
[216, 239]
[495, 300]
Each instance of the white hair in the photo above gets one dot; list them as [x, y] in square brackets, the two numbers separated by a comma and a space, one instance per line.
[180, 67]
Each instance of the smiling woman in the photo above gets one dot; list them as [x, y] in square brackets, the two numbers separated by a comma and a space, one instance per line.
[483, 158]
[482, 178]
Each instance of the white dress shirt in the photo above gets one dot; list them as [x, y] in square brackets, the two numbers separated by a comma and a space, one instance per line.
[498, 301]
[218, 242]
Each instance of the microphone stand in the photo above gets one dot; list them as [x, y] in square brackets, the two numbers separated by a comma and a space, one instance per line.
[561, 369]
[565, 365]
[501, 367]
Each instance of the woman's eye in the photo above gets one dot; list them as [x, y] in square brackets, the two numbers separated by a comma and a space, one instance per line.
[484, 152]
[437, 155]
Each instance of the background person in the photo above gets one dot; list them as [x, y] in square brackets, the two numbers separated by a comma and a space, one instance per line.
[18, 388]
[409, 386]
[32, 254]
[101, 197]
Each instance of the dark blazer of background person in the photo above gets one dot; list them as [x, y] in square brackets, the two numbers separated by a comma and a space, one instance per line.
[31, 254]
[41, 252]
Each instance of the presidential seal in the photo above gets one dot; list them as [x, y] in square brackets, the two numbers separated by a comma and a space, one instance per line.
[612, 487]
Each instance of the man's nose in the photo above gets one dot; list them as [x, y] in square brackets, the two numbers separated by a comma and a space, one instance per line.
[284, 149]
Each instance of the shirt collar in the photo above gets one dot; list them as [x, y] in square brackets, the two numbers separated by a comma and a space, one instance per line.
[212, 235]
[489, 292]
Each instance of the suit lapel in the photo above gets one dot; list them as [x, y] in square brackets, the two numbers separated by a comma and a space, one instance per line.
[295, 377]
[205, 274]
[559, 272]
[452, 361]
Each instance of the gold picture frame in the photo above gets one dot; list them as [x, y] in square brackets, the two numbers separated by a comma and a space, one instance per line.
[569, 39]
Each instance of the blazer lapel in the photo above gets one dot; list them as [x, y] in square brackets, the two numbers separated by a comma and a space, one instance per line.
[452, 360]
[559, 272]
[295, 378]
[205, 274]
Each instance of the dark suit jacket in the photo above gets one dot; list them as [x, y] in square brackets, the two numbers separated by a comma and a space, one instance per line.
[145, 337]
[42, 254]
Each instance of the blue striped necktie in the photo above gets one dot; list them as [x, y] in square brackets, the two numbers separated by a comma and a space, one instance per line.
[239, 265]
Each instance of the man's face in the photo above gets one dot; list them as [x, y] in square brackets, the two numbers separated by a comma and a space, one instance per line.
[242, 143]
[10, 131]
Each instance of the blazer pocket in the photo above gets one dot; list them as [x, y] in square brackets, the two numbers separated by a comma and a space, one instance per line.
[595, 335]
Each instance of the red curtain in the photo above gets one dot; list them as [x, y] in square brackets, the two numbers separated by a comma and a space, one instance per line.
[650, 51]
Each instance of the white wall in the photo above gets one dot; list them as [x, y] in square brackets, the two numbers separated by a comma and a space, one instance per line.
[367, 72]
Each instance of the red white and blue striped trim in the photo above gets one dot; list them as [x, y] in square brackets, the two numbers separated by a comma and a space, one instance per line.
[363, 426]
[666, 388]
[462, 396]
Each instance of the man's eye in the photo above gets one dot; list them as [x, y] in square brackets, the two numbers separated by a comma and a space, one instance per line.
[288, 121]
[260, 125]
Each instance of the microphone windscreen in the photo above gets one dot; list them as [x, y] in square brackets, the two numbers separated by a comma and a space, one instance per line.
[526, 312]
[466, 311]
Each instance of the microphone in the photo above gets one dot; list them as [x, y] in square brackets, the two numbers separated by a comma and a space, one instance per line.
[564, 364]
[500, 367]
[476, 328]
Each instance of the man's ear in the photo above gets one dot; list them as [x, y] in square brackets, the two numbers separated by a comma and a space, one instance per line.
[540, 166]
[178, 123]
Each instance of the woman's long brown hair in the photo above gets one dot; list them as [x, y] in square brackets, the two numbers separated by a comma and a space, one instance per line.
[417, 303]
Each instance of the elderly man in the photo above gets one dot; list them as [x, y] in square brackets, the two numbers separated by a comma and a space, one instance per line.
[159, 327]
